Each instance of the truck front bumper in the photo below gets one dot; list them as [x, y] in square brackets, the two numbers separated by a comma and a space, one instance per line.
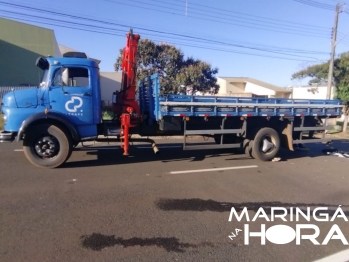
[6, 136]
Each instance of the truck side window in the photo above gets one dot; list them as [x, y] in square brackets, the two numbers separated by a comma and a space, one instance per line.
[72, 76]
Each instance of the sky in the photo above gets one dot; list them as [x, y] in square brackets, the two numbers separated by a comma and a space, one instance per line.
[268, 40]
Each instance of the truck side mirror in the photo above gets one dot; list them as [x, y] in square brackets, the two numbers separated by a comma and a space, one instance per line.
[65, 76]
[115, 97]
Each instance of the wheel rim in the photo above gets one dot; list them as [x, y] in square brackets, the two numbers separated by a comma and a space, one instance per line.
[46, 147]
[266, 145]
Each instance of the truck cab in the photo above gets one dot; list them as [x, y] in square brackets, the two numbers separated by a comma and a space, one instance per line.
[68, 99]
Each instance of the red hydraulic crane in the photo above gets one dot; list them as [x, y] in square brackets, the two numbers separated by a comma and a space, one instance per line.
[126, 105]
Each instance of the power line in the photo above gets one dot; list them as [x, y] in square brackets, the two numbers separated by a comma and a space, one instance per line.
[207, 11]
[251, 15]
[157, 31]
[168, 34]
[172, 42]
[64, 26]
[241, 24]
[316, 4]
[288, 32]
[181, 35]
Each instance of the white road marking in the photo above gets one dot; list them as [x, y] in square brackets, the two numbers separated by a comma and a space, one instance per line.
[160, 146]
[211, 169]
[18, 150]
[96, 148]
[342, 256]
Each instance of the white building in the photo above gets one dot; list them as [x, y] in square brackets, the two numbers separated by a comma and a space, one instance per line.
[311, 92]
[110, 82]
[249, 87]
[314, 92]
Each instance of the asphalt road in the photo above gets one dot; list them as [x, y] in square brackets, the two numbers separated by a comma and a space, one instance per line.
[102, 206]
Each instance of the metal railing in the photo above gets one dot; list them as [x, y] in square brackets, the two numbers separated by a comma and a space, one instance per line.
[6, 89]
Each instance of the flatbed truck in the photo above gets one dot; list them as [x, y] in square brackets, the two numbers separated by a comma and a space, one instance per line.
[65, 110]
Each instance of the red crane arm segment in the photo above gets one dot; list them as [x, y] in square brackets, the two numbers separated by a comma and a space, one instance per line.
[127, 96]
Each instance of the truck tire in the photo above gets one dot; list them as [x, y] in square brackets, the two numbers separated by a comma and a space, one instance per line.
[47, 146]
[270, 140]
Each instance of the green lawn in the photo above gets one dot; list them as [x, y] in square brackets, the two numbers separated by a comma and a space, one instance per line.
[338, 128]
[340, 124]
[107, 115]
[1, 121]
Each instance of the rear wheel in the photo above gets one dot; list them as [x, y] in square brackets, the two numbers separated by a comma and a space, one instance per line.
[266, 144]
[47, 145]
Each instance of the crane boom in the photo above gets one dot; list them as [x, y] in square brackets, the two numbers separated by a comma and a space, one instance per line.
[126, 97]
[126, 106]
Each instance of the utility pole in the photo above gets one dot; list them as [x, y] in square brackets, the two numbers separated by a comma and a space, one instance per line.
[333, 51]
[186, 8]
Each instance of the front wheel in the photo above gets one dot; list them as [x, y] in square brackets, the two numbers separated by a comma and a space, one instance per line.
[266, 144]
[47, 146]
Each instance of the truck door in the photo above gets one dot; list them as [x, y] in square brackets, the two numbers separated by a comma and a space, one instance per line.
[71, 94]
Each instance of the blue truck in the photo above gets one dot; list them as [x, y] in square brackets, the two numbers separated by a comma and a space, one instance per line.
[65, 110]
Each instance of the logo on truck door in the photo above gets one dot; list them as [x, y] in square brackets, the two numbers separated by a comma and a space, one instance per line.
[73, 104]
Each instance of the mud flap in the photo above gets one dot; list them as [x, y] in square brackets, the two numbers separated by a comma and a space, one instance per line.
[287, 139]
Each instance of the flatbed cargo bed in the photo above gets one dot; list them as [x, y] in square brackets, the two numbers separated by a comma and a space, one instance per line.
[159, 106]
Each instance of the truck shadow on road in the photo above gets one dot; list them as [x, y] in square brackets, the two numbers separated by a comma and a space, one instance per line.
[201, 205]
[113, 156]
[313, 150]
[97, 242]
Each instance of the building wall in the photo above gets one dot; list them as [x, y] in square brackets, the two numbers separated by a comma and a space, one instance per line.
[259, 90]
[236, 88]
[222, 86]
[247, 89]
[110, 82]
[56, 47]
[319, 92]
[20, 45]
[282, 95]
[227, 88]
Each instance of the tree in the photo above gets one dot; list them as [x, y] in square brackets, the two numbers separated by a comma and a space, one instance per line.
[318, 74]
[177, 74]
